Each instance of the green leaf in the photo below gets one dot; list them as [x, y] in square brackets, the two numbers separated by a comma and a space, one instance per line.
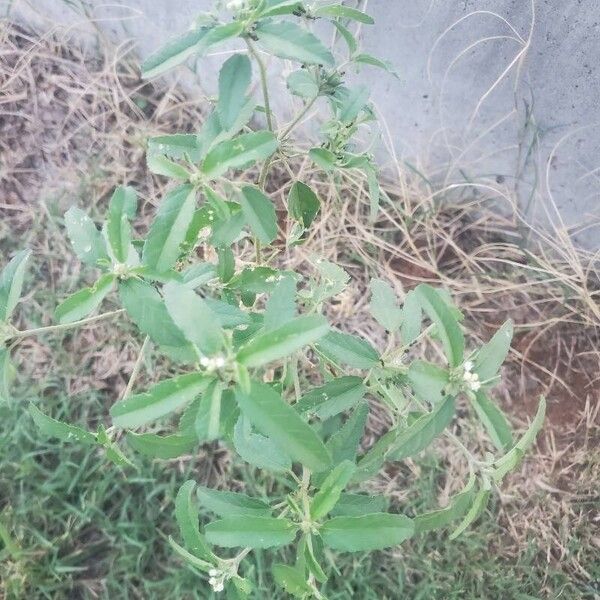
[251, 532]
[225, 264]
[173, 53]
[303, 84]
[350, 40]
[303, 204]
[260, 214]
[457, 507]
[355, 505]
[232, 504]
[56, 429]
[368, 59]
[258, 450]
[331, 488]
[122, 207]
[344, 443]
[367, 532]
[193, 316]
[428, 381]
[189, 558]
[332, 398]
[447, 325]
[11, 283]
[169, 228]
[177, 146]
[161, 446]
[6, 374]
[423, 431]
[147, 310]
[343, 348]
[283, 341]
[267, 411]
[291, 580]
[161, 165]
[86, 239]
[478, 506]
[239, 152]
[256, 280]
[384, 305]
[351, 102]
[288, 40]
[234, 79]
[227, 314]
[281, 305]
[164, 398]
[324, 158]
[82, 303]
[490, 357]
[412, 316]
[512, 458]
[111, 448]
[493, 420]
[198, 274]
[186, 514]
[338, 11]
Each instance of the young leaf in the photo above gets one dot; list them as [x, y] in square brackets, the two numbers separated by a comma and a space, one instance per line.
[251, 532]
[344, 348]
[332, 398]
[56, 429]
[281, 305]
[283, 341]
[344, 443]
[291, 580]
[490, 357]
[457, 507]
[384, 305]
[331, 488]
[177, 146]
[256, 280]
[186, 514]
[368, 59]
[168, 230]
[164, 398]
[232, 504]
[512, 458]
[493, 420]
[267, 411]
[367, 532]
[259, 450]
[303, 84]
[87, 241]
[303, 204]
[288, 40]
[355, 505]
[411, 318]
[192, 315]
[423, 431]
[173, 53]
[161, 165]
[324, 158]
[161, 446]
[80, 304]
[338, 11]
[111, 448]
[260, 214]
[478, 506]
[147, 310]
[350, 40]
[447, 325]
[225, 264]
[241, 151]
[11, 283]
[122, 207]
[351, 102]
[6, 375]
[428, 381]
[234, 79]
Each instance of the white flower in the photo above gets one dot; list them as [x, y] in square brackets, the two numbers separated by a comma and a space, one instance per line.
[471, 379]
[468, 366]
[212, 363]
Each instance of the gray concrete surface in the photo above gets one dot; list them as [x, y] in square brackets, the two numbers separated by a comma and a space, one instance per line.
[500, 93]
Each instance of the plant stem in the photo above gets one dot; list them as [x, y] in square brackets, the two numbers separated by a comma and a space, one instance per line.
[263, 82]
[297, 119]
[63, 326]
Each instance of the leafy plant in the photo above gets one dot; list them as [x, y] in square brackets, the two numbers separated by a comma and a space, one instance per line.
[237, 332]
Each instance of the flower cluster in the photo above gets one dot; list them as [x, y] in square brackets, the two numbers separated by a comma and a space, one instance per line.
[217, 580]
[470, 379]
[212, 363]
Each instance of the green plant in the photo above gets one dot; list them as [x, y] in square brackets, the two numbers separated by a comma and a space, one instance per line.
[236, 333]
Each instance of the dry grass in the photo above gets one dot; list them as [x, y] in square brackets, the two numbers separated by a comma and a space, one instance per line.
[72, 126]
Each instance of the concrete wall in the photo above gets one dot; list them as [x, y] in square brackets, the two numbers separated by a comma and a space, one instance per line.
[501, 92]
